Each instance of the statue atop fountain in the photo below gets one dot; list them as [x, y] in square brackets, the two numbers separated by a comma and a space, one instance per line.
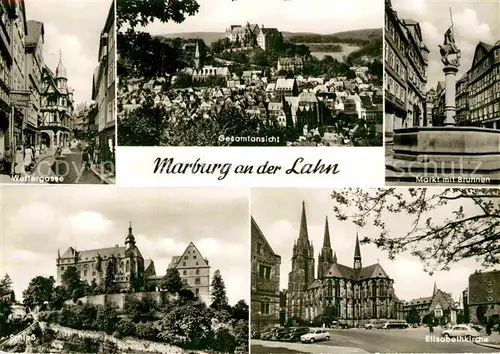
[449, 48]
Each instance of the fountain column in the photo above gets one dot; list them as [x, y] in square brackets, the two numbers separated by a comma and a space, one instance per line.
[450, 72]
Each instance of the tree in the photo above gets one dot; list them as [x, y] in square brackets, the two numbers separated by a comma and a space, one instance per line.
[481, 314]
[413, 316]
[229, 122]
[189, 325]
[145, 56]
[71, 279]
[143, 12]
[172, 281]
[39, 291]
[59, 296]
[109, 281]
[5, 285]
[446, 226]
[218, 294]
[240, 310]
[144, 126]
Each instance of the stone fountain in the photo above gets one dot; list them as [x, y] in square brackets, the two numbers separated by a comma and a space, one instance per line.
[446, 154]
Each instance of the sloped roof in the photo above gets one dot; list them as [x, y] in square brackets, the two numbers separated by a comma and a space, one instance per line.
[88, 255]
[275, 106]
[256, 227]
[369, 272]
[308, 97]
[35, 29]
[420, 300]
[285, 84]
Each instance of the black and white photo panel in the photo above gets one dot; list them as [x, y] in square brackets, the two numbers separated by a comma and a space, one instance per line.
[229, 73]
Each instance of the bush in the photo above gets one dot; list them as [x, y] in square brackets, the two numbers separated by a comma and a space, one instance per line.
[126, 328]
[69, 318]
[48, 316]
[146, 330]
[241, 335]
[106, 319]
[88, 315]
[188, 326]
[85, 345]
[224, 341]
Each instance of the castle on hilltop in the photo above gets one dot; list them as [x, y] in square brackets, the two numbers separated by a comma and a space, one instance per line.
[251, 35]
[128, 266]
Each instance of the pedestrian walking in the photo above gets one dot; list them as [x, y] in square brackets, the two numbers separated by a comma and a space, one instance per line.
[19, 162]
[431, 328]
[8, 161]
[37, 152]
[489, 326]
[86, 157]
[28, 158]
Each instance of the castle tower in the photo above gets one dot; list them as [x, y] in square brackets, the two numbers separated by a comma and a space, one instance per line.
[325, 258]
[130, 240]
[302, 274]
[357, 255]
[197, 63]
[61, 77]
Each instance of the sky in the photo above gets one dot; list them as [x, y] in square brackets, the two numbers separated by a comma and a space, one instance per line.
[318, 16]
[37, 221]
[473, 21]
[74, 28]
[278, 211]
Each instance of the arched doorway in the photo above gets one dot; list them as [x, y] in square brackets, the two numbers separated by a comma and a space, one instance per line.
[45, 139]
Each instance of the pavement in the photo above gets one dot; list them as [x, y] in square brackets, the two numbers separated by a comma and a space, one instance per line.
[104, 175]
[262, 346]
[493, 342]
[65, 169]
[409, 340]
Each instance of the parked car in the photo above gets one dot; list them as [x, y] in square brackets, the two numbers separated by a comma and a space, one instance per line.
[315, 335]
[375, 324]
[395, 324]
[280, 333]
[295, 333]
[267, 335]
[460, 331]
[477, 327]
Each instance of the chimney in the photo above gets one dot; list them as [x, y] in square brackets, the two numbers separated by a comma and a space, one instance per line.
[117, 246]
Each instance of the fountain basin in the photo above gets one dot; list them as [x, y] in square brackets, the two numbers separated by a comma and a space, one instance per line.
[443, 152]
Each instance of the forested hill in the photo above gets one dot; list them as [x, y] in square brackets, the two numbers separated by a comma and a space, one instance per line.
[357, 37]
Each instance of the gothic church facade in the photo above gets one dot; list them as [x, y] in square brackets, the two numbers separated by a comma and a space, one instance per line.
[350, 294]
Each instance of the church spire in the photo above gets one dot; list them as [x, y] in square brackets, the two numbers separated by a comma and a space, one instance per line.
[60, 70]
[197, 63]
[130, 240]
[326, 236]
[334, 257]
[357, 254]
[58, 254]
[303, 224]
[434, 291]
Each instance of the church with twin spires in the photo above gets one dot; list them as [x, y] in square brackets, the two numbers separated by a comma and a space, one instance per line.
[352, 294]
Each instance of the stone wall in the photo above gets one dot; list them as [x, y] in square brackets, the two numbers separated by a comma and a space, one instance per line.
[264, 290]
[491, 311]
[120, 301]
[125, 344]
